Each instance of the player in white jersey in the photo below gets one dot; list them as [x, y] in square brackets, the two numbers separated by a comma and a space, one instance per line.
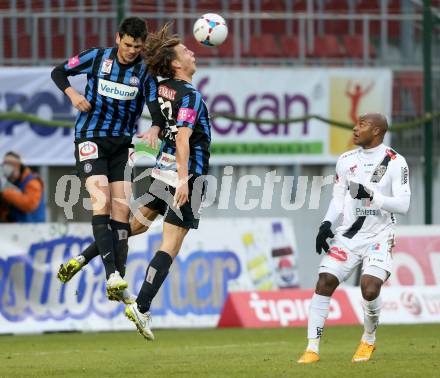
[371, 185]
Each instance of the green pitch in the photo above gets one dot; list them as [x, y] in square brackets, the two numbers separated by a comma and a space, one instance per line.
[402, 351]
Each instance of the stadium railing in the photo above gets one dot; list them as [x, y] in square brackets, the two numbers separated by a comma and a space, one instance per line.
[45, 38]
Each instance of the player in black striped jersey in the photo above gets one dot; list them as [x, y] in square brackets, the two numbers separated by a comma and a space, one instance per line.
[371, 185]
[118, 85]
[183, 161]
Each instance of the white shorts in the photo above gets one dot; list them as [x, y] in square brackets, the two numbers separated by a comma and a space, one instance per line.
[346, 254]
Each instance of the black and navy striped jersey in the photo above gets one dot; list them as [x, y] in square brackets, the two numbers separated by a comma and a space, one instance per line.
[117, 93]
[182, 106]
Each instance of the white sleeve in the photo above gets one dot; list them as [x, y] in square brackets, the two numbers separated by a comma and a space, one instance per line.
[401, 192]
[336, 206]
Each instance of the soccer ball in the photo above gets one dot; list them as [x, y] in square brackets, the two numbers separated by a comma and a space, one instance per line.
[210, 29]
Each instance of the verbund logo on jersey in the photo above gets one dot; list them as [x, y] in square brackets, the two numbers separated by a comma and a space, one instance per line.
[116, 90]
[280, 309]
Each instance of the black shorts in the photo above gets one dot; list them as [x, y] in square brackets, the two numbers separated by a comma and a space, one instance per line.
[160, 198]
[106, 156]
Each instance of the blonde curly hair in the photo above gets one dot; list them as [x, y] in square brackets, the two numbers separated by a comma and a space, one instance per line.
[159, 51]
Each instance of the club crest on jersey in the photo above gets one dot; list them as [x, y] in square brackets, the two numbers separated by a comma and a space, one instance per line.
[106, 67]
[379, 173]
[134, 81]
[167, 92]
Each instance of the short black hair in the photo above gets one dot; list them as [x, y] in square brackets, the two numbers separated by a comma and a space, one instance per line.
[134, 27]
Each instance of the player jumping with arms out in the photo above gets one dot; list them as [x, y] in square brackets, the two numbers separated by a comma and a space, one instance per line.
[186, 144]
[118, 84]
[372, 184]
[181, 164]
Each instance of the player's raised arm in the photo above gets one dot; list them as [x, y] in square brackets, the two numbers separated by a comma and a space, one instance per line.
[79, 64]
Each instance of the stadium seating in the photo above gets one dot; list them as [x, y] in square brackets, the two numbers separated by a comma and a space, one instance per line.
[263, 46]
[326, 46]
[335, 43]
[290, 46]
[354, 47]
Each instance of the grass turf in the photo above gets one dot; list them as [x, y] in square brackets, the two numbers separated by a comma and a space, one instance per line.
[402, 351]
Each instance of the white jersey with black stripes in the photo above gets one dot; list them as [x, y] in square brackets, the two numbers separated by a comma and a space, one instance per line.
[386, 174]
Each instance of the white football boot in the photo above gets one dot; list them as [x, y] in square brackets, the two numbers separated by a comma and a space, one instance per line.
[142, 321]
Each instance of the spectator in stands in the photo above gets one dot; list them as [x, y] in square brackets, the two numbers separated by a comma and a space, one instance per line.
[21, 192]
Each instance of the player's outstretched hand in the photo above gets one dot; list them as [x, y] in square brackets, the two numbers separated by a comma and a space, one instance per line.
[151, 136]
[359, 191]
[321, 239]
[182, 194]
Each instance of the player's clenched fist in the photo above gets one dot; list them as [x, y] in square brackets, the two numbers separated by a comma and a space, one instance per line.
[78, 100]
[81, 103]
[321, 239]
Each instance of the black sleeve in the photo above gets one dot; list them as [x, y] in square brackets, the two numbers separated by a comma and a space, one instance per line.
[78, 64]
[59, 77]
[157, 118]
[150, 94]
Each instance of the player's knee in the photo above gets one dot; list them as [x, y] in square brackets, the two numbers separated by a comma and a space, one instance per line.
[137, 227]
[370, 287]
[120, 211]
[370, 293]
[327, 284]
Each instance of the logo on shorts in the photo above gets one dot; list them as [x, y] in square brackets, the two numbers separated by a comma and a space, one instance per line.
[337, 254]
[134, 81]
[87, 151]
[107, 66]
[87, 168]
[375, 247]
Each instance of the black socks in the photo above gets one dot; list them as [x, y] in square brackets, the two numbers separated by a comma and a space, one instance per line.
[121, 257]
[90, 252]
[121, 232]
[154, 278]
[104, 240]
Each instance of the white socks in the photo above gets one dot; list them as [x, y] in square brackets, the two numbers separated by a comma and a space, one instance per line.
[371, 319]
[318, 313]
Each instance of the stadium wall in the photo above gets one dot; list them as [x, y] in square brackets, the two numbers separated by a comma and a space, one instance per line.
[224, 257]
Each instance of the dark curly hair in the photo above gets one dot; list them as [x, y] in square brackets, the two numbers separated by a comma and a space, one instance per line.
[159, 52]
[134, 27]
